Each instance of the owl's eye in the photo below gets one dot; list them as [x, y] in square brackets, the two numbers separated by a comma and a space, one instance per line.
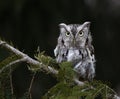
[67, 34]
[81, 33]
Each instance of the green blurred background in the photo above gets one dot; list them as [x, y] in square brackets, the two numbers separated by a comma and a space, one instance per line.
[32, 23]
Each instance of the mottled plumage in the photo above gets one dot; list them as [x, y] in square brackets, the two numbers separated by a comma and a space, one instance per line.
[75, 45]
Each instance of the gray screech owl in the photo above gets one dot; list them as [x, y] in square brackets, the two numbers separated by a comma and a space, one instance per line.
[74, 45]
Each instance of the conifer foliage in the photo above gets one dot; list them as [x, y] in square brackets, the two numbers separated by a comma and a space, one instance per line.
[65, 88]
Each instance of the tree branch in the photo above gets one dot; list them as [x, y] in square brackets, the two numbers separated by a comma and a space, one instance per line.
[25, 58]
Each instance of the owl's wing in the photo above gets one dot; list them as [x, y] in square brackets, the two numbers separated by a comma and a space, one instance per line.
[56, 51]
[58, 55]
[91, 55]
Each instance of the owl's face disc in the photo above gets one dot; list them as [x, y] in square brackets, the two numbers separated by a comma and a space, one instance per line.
[74, 35]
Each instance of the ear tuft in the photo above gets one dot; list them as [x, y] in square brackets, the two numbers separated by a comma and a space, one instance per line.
[86, 24]
[62, 25]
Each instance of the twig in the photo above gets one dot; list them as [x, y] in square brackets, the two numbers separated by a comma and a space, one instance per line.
[12, 63]
[31, 83]
[11, 85]
[116, 97]
[2, 43]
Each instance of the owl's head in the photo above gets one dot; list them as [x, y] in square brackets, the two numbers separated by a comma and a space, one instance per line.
[75, 35]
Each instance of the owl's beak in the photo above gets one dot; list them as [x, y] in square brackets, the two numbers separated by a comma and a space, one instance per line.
[74, 41]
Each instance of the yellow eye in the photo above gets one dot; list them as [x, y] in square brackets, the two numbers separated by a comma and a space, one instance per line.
[67, 34]
[81, 33]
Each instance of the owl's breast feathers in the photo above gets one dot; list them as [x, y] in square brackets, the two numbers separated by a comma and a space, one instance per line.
[83, 60]
[73, 55]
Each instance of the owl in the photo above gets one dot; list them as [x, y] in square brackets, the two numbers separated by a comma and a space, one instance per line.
[75, 46]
